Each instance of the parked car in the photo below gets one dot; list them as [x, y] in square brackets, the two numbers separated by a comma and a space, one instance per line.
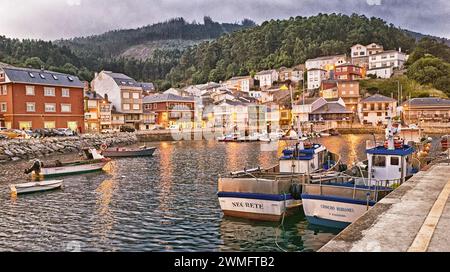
[109, 131]
[3, 128]
[66, 132]
[127, 129]
[158, 127]
[12, 133]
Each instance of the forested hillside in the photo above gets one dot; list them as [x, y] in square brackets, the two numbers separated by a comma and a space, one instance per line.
[284, 43]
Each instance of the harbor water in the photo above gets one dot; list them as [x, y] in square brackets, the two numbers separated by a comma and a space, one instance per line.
[164, 203]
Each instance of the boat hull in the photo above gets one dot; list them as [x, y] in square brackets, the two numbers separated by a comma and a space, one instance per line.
[34, 187]
[261, 207]
[111, 153]
[334, 212]
[73, 170]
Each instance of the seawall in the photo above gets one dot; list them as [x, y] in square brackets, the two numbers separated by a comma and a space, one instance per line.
[23, 149]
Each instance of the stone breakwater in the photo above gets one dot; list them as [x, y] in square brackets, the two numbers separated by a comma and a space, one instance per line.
[23, 149]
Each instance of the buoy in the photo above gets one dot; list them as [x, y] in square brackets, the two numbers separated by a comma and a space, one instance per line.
[103, 147]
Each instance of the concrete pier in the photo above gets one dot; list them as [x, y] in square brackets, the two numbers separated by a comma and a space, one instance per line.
[413, 218]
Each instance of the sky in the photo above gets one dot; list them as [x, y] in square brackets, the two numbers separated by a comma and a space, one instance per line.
[55, 19]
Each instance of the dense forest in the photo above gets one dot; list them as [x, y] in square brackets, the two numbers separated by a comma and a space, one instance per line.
[233, 49]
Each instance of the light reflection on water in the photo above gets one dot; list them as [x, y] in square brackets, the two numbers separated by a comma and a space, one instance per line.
[164, 203]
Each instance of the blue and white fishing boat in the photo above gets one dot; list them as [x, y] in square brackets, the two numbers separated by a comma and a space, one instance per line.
[267, 194]
[341, 200]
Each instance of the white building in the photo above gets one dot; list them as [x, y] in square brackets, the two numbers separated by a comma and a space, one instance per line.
[382, 72]
[303, 108]
[374, 109]
[267, 78]
[124, 93]
[315, 77]
[389, 58]
[327, 63]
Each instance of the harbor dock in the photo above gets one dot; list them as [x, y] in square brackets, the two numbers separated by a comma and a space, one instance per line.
[413, 218]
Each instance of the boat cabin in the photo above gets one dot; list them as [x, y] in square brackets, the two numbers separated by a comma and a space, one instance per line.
[305, 158]
[389, 165]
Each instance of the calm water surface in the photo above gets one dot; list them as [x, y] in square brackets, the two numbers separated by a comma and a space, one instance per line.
[164, 203]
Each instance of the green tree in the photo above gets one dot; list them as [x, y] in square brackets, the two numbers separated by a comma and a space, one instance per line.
[34, 62]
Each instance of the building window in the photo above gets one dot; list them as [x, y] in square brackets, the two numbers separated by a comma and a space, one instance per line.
[50, 107]
[4, 90]
[65, 93]
[136, 107]
[50, 124]
[49, 91]
[126, 106]
[29, 90]
[66, 108]
[3, 107]
[25, 125]
[92, 104]
[31, 107]
[136, 96]
[126, 95]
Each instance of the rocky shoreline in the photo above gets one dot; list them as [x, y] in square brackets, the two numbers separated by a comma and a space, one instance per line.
[24, 149]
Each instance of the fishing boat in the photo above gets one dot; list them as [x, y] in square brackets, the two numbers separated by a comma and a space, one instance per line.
[339, 201]
[254, 137]
[269, 194]
[118, 152]
[33, 187]
[233, 137]
[93, 162]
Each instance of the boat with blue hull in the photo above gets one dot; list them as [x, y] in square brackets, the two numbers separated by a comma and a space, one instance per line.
[269, 194]
[340, 201]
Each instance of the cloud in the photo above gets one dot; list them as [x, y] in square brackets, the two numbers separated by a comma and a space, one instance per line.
[53, 19]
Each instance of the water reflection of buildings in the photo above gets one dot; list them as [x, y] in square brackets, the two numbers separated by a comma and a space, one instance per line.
[166, 154]
[104, 219]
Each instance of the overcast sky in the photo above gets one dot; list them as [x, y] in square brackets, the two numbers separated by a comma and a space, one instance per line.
[54, 19]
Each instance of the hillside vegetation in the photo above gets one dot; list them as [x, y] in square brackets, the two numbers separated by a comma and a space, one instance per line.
[284, 43]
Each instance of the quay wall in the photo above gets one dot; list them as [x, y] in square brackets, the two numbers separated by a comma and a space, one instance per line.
[23, 149]
[413, 218]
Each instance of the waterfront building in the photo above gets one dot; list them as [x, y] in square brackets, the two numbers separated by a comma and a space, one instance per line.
[348, 90]
[315, 77]
[97, 112]
[267, 78]
[426, 110]
[37, 98]
[125, 95]
[332, 111]
[171, 110]
[117, 119]
[376, 108]
[304, 107]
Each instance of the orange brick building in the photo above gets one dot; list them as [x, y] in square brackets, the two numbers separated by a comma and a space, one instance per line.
[31, 99]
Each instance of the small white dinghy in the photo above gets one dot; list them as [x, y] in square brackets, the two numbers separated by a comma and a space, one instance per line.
[33, 187]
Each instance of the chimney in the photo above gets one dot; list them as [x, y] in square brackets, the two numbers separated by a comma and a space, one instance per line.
[42, 68]
[400, 50]
[95, 75]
